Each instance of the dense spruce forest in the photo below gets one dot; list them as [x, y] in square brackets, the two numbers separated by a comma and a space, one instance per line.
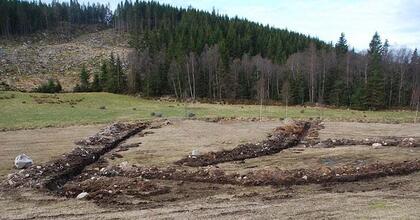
[193, 54]
[197, 54]
[187, 52]
[25, 17]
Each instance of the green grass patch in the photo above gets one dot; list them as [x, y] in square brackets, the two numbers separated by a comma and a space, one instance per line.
[379, 204]
[32, 110]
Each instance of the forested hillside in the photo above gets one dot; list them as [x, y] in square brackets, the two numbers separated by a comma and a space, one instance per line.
[195, 54]
[24, 17]
[70, 35]
[191, 53]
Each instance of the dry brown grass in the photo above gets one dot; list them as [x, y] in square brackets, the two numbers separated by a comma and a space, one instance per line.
[40, 144]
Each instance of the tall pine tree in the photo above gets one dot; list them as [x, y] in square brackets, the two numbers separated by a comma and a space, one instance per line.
[374, 98]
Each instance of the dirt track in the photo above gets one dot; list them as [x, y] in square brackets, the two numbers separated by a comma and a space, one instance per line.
[389, 197]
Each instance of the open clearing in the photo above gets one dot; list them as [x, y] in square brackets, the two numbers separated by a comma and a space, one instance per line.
[30, 61]
[381, 198]
[31, 110]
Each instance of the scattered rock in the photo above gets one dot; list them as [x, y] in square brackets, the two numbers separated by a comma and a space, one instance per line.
[126, 167]
[320, 145]
[82, 195]
[376, 145]
[53, 173]
[22, 161]
[374, 142]
[288, 121]
[195, 153]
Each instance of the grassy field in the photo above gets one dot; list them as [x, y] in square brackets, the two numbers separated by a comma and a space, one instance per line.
[32, 110]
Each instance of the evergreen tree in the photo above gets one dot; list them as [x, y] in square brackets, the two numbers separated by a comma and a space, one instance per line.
[341, 46]
[19, 17]
[374, 98]
[297, 90]
[120, 77]
[51, 86]
[231, 57]
[104, 77]
[84, 80]
[358, 94]
[112, 84]
[96, 83]
[341, 88]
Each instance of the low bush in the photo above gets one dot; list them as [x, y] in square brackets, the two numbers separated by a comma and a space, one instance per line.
[52, 86]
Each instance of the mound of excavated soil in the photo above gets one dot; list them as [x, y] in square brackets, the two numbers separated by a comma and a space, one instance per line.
[104, 188]
[69, 176]
[387, 141]
[266, 176]
[54, 174]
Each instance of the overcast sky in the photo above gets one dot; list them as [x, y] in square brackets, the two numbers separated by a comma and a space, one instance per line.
[395, 20]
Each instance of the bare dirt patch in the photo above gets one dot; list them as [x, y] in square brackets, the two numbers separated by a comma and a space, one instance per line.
[54, 99]
[170, 143]
[355, 130]
[41, 144]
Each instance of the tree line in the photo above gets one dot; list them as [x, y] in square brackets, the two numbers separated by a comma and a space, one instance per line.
[179, 31]
[18, 17]
[190, 53]
[378, 78]
[187, 51]
[197, 54]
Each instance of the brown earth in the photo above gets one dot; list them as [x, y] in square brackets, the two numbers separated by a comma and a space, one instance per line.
[55, 173]
[41, 144]
[382, 198]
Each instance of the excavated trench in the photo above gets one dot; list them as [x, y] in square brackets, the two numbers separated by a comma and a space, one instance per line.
[67, 176]
[268, 176]
[54, 174]
[386, 141]
[282, 138]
